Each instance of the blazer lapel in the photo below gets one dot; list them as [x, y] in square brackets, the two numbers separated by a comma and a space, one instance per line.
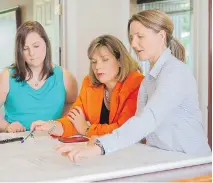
[95, 97]
[114, 102]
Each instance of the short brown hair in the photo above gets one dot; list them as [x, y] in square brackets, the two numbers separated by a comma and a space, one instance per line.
[20, 66]
[115, 47]
[157, 21]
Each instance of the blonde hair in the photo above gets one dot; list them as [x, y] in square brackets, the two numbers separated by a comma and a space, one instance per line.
[157, 21]
[116, 48]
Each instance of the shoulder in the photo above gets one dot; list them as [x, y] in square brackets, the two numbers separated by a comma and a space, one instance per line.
[4, 80]
[176, 73]
[86, 80]
[131, 84]
[87, 83]
[176, 68]
[69, 79]
[67, 74]
[133, 80]
[59, 69]
[134, 75]
[4, 75]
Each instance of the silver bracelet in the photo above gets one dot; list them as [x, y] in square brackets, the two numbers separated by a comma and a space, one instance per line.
[52, 129]
[98, 143]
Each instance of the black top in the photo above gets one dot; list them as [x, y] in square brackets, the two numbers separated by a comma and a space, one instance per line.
[104, 119]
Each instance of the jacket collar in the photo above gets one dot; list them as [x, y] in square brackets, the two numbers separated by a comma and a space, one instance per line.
[154, 72]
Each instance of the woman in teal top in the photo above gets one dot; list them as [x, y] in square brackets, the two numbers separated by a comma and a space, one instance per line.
[33, 88]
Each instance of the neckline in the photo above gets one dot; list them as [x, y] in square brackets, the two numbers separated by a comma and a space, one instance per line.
[43, 86]
[29, 86]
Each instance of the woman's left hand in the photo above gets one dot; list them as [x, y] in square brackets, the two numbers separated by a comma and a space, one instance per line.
[78, 152]
[76, 116]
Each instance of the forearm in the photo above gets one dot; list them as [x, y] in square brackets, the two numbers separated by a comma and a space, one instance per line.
[3, 124]
[138, 126]
[101, 129]
[68, 127]
[67, 108]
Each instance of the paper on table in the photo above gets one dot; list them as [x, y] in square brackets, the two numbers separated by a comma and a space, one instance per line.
[4, 136]
[36, 160]
[33, 160]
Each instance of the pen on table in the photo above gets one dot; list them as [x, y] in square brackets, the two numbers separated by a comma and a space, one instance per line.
[28, 136]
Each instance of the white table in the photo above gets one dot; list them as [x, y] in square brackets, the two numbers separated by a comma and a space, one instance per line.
[36, 160]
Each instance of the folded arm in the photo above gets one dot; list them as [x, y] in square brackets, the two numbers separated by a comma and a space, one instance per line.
[127, 112]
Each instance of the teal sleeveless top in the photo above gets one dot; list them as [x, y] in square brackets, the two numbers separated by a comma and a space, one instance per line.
[25, 104]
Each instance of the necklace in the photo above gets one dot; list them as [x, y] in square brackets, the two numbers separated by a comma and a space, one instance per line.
[106, 94]
[36, 82]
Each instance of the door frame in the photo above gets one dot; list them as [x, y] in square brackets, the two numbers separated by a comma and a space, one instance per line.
[210, 77]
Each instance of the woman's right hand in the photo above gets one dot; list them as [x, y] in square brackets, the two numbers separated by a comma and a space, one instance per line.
[78, 152]
[46, 126]
[15, 127]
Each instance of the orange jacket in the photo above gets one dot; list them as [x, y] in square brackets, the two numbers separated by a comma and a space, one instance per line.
[122, 105]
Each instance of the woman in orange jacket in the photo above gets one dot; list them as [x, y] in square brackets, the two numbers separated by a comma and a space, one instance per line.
[108, 95]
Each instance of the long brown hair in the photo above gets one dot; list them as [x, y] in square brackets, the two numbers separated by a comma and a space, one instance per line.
[21, 68]
[115, 47]
[157, 21]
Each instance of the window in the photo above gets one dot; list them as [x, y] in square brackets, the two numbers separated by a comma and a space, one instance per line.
[10, 19]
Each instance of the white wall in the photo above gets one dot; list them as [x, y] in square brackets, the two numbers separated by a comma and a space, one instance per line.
[85, 20]
[200, 28]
